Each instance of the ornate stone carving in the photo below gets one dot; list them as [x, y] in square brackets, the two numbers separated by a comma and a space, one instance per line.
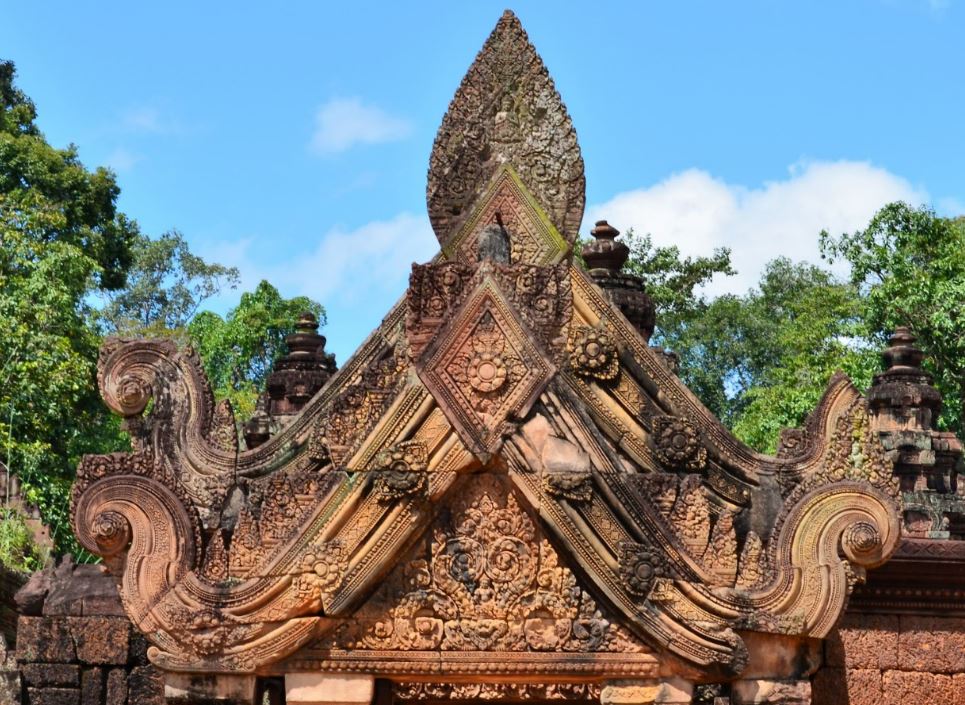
[488, 582]
[592, 354]
[640, 565]
[577, 486]
[305, 552]
[677, 444]
[497, 692]
[484, 369]
[400, 470]
[506, 111]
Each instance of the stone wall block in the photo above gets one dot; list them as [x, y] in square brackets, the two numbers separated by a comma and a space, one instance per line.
[45, 640]
[100, 640]
[92, 686]
[932, 644]
[864, 641]
[116, 687]
[853, 686]
[44, 675]
[915, 688]
[53, 696]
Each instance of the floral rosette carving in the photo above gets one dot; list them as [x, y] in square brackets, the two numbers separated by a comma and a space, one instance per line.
[676, 444]
[593, 354]
[639, 567]
[323, 569]
[401, 470]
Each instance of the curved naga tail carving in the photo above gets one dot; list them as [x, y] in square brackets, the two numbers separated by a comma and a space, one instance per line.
[184, 425]
[831, 535]
[144, 534]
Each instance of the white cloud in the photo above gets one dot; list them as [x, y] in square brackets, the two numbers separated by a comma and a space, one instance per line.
[356, 274]
[698, 212]
[122, 160]
[342, 123]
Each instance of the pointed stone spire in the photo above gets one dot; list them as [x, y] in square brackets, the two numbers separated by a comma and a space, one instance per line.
[904, 408]
[506, 113]
[605, 257]
[297, 376]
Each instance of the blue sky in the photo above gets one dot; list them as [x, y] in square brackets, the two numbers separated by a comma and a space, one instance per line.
[293, 140]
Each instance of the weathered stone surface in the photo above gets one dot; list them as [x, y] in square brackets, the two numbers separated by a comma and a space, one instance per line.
[931, 644]
[145, 686]
[864, 641]
[91, 686]
[769, 692]
[116, 687]
[82, 590]
[410, 474]
[44, 639]
[915, 688]
[855, 686]
[53, 696]
[100, 640]
[30, 598]
[37, 675]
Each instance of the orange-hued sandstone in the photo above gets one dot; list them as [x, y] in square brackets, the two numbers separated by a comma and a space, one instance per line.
[507, 494]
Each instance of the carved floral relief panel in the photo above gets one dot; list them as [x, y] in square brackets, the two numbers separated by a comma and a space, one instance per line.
[484, 578]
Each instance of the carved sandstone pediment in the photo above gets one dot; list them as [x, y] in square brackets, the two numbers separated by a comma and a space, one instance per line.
[505, 479]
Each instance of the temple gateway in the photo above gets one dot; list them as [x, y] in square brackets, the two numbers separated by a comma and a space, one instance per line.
[506, 494]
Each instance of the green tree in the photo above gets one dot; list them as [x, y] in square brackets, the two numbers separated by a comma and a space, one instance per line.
[63, 246]
[239, 349]
[909, 267]
[166, 284]
[804, 325]
[34, 175]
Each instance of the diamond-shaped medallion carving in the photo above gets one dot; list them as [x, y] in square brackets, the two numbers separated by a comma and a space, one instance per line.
[485, 369]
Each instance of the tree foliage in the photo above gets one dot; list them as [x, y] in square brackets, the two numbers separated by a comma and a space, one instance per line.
[238, 349]
[909, 268]
[166, 284]
[36, 176]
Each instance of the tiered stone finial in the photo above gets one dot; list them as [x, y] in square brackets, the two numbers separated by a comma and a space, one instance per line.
[902, 396]
[295, 379]
[605, 258]
[905, 407]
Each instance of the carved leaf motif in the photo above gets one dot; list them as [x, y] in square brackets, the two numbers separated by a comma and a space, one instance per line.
[506, 110]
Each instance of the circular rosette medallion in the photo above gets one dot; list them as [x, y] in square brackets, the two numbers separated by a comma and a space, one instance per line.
[463, 560]
[486, 372]
[510, 564]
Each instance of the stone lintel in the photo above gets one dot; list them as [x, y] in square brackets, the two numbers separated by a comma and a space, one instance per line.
[672, 691]
[328, 689]
[213, 688]
[771, 692]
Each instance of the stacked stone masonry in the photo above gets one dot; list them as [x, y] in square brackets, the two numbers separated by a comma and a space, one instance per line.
[893, 660]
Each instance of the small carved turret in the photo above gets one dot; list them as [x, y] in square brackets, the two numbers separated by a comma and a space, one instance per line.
[302, 372]
[605, 257]
[257, 429]
[904, 407]
[902, 397]
[295, 379]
